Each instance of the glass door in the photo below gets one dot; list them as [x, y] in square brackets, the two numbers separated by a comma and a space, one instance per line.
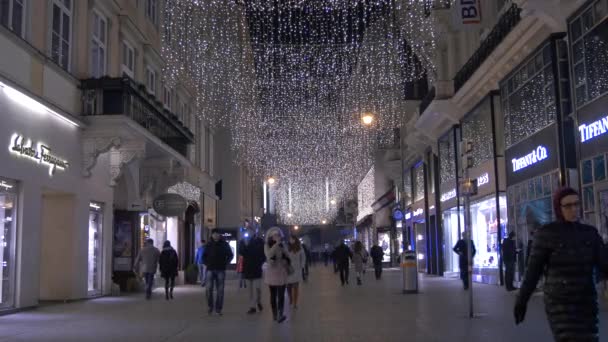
[421, 250]
[8, 217]
[94, 255]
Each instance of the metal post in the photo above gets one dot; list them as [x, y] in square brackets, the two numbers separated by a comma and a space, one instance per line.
[468, 240]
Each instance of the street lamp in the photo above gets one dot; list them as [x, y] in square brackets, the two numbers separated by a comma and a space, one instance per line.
[324, 222]
[271, 180]
[296, 227]
[367, 119]
[289, 215]
[333, 201]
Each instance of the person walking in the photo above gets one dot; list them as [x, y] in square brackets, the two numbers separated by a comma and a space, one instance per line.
[146, 262]
[200, 262]
[342, 256]
[168, 263]
[239, 272]
[377, 256]
[297, 256]
[509, 254]
[359, 259]
[275, 275]
[569, 254]
[252, 250]
[461, 249]
[217, 256]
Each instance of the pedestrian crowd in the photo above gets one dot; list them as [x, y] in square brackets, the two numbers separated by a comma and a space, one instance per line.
[570, 257]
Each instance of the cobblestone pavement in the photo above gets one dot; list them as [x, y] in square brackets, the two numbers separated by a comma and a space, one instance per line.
[375, 311]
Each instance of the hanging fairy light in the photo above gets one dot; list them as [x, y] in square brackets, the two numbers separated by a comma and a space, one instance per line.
[291, 79]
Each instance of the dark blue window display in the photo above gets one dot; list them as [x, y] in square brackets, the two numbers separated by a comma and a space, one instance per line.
[587, 172]
[599, 168]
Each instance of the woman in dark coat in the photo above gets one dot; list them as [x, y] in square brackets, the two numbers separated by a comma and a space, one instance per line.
[570, 255]
[168, 268]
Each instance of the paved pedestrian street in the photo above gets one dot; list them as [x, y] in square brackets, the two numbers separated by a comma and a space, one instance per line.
[376, 311]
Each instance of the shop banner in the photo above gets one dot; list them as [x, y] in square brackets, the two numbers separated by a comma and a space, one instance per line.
[467, 14]
[592, 133]
[536, 155]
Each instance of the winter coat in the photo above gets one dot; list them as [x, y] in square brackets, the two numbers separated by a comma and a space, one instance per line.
[277, 262]
[298, 261]
[360, 259]
[147, 260]
[217, 255]
[461, 249]
[253, 257]
[569, 256]
[377, 254]
[342, 255]
[168, 263]
[509, 252]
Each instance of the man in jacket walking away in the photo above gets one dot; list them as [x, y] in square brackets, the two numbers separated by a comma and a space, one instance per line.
[377, 255]
[509, 253]
[200, 262]
[216, 256]
[342, 256]
[251, 248]
[146, 262]
[461, 249]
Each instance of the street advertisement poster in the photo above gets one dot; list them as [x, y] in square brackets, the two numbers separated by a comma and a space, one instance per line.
[123, 245]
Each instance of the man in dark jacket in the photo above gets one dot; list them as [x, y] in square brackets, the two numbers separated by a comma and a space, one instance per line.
[509, 253]
[342, 256]
[217, 255]
[377, 256]
[461, 249]
[251, 248]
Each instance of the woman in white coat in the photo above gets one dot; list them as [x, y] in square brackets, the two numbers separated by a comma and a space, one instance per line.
[297, 256]
[275, 272]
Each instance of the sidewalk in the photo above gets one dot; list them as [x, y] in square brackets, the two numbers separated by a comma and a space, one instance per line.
[376, 311]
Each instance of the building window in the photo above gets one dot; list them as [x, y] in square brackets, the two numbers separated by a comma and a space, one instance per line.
[151, 11]
[151, 80]
[61, 32]
[128, 60]
[167, 98]
[12, 16]
[588, 34]
[8, 221]
[98, 45]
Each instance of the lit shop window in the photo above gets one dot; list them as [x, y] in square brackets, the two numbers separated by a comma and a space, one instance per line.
[8, 211]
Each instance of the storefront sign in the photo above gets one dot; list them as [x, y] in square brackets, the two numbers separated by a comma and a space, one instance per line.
[481, 181]
[537, 155]
[40, 153]
[408, 216]
[6, 186]
[418, 212]
[170, 205]
[467, 13]
[594, 129]
[534, 156]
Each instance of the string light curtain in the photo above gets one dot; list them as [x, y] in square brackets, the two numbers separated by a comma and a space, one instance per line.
[291, 79]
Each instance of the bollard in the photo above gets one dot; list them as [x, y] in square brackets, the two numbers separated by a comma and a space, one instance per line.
[409, 266]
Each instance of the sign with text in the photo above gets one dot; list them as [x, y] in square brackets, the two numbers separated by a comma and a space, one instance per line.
[39, 153]
[170, 205]
[536, 155]
[467, 14]
[593, 128]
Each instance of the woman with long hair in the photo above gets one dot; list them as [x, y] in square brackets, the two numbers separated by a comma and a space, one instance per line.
[360, 256]
[275, 274]
[569, 254]
[298, 261]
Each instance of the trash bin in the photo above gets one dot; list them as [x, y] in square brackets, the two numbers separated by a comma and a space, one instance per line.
[409, 266]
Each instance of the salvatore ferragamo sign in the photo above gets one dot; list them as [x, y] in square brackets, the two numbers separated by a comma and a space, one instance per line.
[38, 153]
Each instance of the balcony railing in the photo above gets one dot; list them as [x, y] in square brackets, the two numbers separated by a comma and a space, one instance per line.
[505, 25]
[122, 96]
[426, 101]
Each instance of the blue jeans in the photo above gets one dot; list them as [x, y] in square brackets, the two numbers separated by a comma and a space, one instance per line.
[215, 281]
[149, 278]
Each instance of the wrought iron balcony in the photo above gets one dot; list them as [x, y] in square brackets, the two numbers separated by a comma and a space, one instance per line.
[426, 101]
[123, 96]
[505, 25]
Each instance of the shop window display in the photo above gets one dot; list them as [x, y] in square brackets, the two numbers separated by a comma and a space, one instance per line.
[8, 217]
[94, 255]
[154, 227]
[485, 227]
[477, 128]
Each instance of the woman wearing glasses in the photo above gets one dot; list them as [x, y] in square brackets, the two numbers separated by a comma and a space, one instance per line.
[570, 255]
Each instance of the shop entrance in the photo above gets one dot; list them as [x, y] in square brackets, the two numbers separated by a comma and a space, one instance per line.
[57, 244]
[191, 240]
